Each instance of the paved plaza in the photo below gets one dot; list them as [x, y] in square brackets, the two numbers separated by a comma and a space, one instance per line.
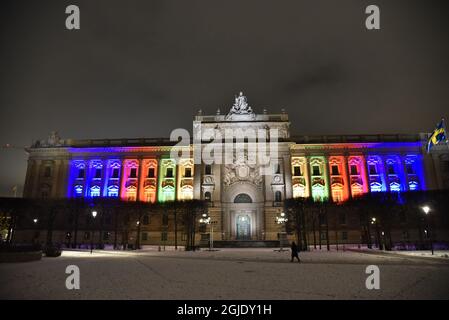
[227, 274]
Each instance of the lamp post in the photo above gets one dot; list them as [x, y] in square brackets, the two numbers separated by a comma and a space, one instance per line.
[428, 232]
[281, 220]
[138, 235]
[375, 222]
[207, 221]
[94, 214]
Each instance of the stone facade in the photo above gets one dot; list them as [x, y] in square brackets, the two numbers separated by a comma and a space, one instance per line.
[244, 200]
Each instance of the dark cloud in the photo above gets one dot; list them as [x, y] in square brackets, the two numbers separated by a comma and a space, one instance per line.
[142, 68]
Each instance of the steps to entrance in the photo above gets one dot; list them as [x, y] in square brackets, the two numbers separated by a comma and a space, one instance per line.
[246, 244]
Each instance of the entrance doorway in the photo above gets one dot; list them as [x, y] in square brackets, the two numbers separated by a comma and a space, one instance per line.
[243, 227]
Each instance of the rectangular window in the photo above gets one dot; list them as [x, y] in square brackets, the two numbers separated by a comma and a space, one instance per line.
[208, 169]
[335, 171]
[354, 170]
[184, 236]
[86, 235]
[163, 236]
[316, 170]
[344, 235]
[47, 172]
[322, 219]
[372, 169]
[164, 219]
[323, 236]
[151, 173]
[81, 173]
[188, 172]
[115, 173]
[391, 169]
[169, 173]
[297, 171]
[98, 173]
[106, 236]
[409, 168]
[133, 173]
[144, 236]
[342, 218]
[277, 168]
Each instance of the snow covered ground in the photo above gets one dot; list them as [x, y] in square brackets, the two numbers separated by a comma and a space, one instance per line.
[226, 274]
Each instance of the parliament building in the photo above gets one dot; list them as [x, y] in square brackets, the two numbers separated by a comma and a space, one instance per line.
[244, 200]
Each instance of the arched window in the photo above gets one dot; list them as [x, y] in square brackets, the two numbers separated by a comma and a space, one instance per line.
[207, 196]
[277, 196]
[243, 198]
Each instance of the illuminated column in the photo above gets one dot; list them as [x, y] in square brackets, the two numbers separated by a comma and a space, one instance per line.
[122, 189]
[139, 180]
[287, 177]
[385, 174]
[158, 177]
[327, 176]
[346, 177]
[365, 176]
[308, 177]
[404, 179]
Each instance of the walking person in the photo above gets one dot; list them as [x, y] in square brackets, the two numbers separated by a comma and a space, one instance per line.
[295, 252]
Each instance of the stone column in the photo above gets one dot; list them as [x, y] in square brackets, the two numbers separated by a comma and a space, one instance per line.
[287, 177]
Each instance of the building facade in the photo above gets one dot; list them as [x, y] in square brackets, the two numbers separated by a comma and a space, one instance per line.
[244, 199]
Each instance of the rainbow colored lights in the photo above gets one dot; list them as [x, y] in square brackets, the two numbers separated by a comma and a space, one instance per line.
[142, 173]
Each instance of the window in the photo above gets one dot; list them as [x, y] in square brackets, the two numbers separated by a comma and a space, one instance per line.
[151, 173]
[208, 169]
[337, 193]
[278, 196]
[344, 235]
[144, 236]
[316, 170]
[133, 173]
[207, 196]
[354, 170]
[184, 236]
[169, 173]
[98, 173]
[409, 168]
[81, 173]
[106, 236]
[95, 191]
[47, 172]
[277, 168]
[165, 219]
[163, 236]
[335, 171]
[188, 172]
[297, 171]
[113, 191]
[372, 169]
[342, 218]
[78, 190]
[86, 235]
[146, 219]
[115, 173]
[395, 187]
[322, 219]
[376, 187]
[391, 169]
[323, 236]
[413, 185]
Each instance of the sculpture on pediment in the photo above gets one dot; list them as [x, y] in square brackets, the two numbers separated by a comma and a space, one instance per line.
[240, 106]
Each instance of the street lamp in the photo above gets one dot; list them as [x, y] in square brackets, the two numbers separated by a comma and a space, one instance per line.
[281, 220]
[207, 221]
[426, 210]
[138, 235]
[375, 222]
[35, 220]
[94, 214]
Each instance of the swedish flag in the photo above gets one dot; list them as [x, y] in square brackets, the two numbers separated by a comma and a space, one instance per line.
[438, 135]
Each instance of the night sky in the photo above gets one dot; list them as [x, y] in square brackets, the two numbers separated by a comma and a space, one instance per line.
[143, 68]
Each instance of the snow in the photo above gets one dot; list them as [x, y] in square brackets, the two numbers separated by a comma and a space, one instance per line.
[226, 274]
